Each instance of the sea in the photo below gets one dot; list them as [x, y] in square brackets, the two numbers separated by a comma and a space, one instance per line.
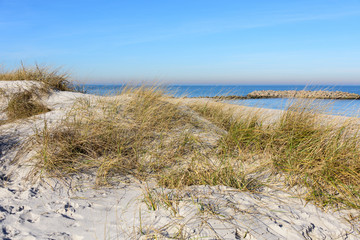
[334, 107]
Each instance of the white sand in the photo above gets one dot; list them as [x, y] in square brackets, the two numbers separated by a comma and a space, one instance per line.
[50, 210]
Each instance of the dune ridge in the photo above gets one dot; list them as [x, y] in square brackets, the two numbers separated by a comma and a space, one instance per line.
[48, 207]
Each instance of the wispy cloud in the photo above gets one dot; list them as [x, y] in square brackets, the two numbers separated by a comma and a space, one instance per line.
[329, 16]
[234, 23]
[214, 26]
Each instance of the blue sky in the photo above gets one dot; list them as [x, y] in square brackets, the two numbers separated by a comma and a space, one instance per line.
[185, 42]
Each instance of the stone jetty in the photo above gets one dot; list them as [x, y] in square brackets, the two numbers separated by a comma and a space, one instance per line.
[293, 94]
[303, 94]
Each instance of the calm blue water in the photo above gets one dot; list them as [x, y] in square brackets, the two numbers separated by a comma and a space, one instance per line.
[338, 107]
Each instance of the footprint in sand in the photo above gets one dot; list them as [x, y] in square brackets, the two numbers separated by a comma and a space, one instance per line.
[9, 231]
[29, 217]
[69, 211]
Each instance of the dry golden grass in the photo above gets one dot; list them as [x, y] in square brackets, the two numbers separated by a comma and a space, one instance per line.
[138, 133]
[141, 133]
[323, 157]
[53, 78]
[24, 104]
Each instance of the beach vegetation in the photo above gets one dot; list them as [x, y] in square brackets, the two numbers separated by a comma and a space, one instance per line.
[51, 78]
[167, 199]
[138, 133]
[24, 104]
[322, 156]
[143, 133]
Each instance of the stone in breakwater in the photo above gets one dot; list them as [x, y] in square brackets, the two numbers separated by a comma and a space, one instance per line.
[303, 94]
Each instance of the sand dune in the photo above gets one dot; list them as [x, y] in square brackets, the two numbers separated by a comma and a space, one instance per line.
[51, 209]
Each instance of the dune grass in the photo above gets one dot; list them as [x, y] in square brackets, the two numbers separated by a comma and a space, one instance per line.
[143, 134]
[24, 104]
[138, 133]
[110, 139]
[323, 157]
[52, 78]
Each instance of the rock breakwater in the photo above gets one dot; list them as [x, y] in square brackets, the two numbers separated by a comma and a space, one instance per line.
[293, 94]
[303, 94]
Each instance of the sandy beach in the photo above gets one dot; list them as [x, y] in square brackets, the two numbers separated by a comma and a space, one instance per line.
[74, 208]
